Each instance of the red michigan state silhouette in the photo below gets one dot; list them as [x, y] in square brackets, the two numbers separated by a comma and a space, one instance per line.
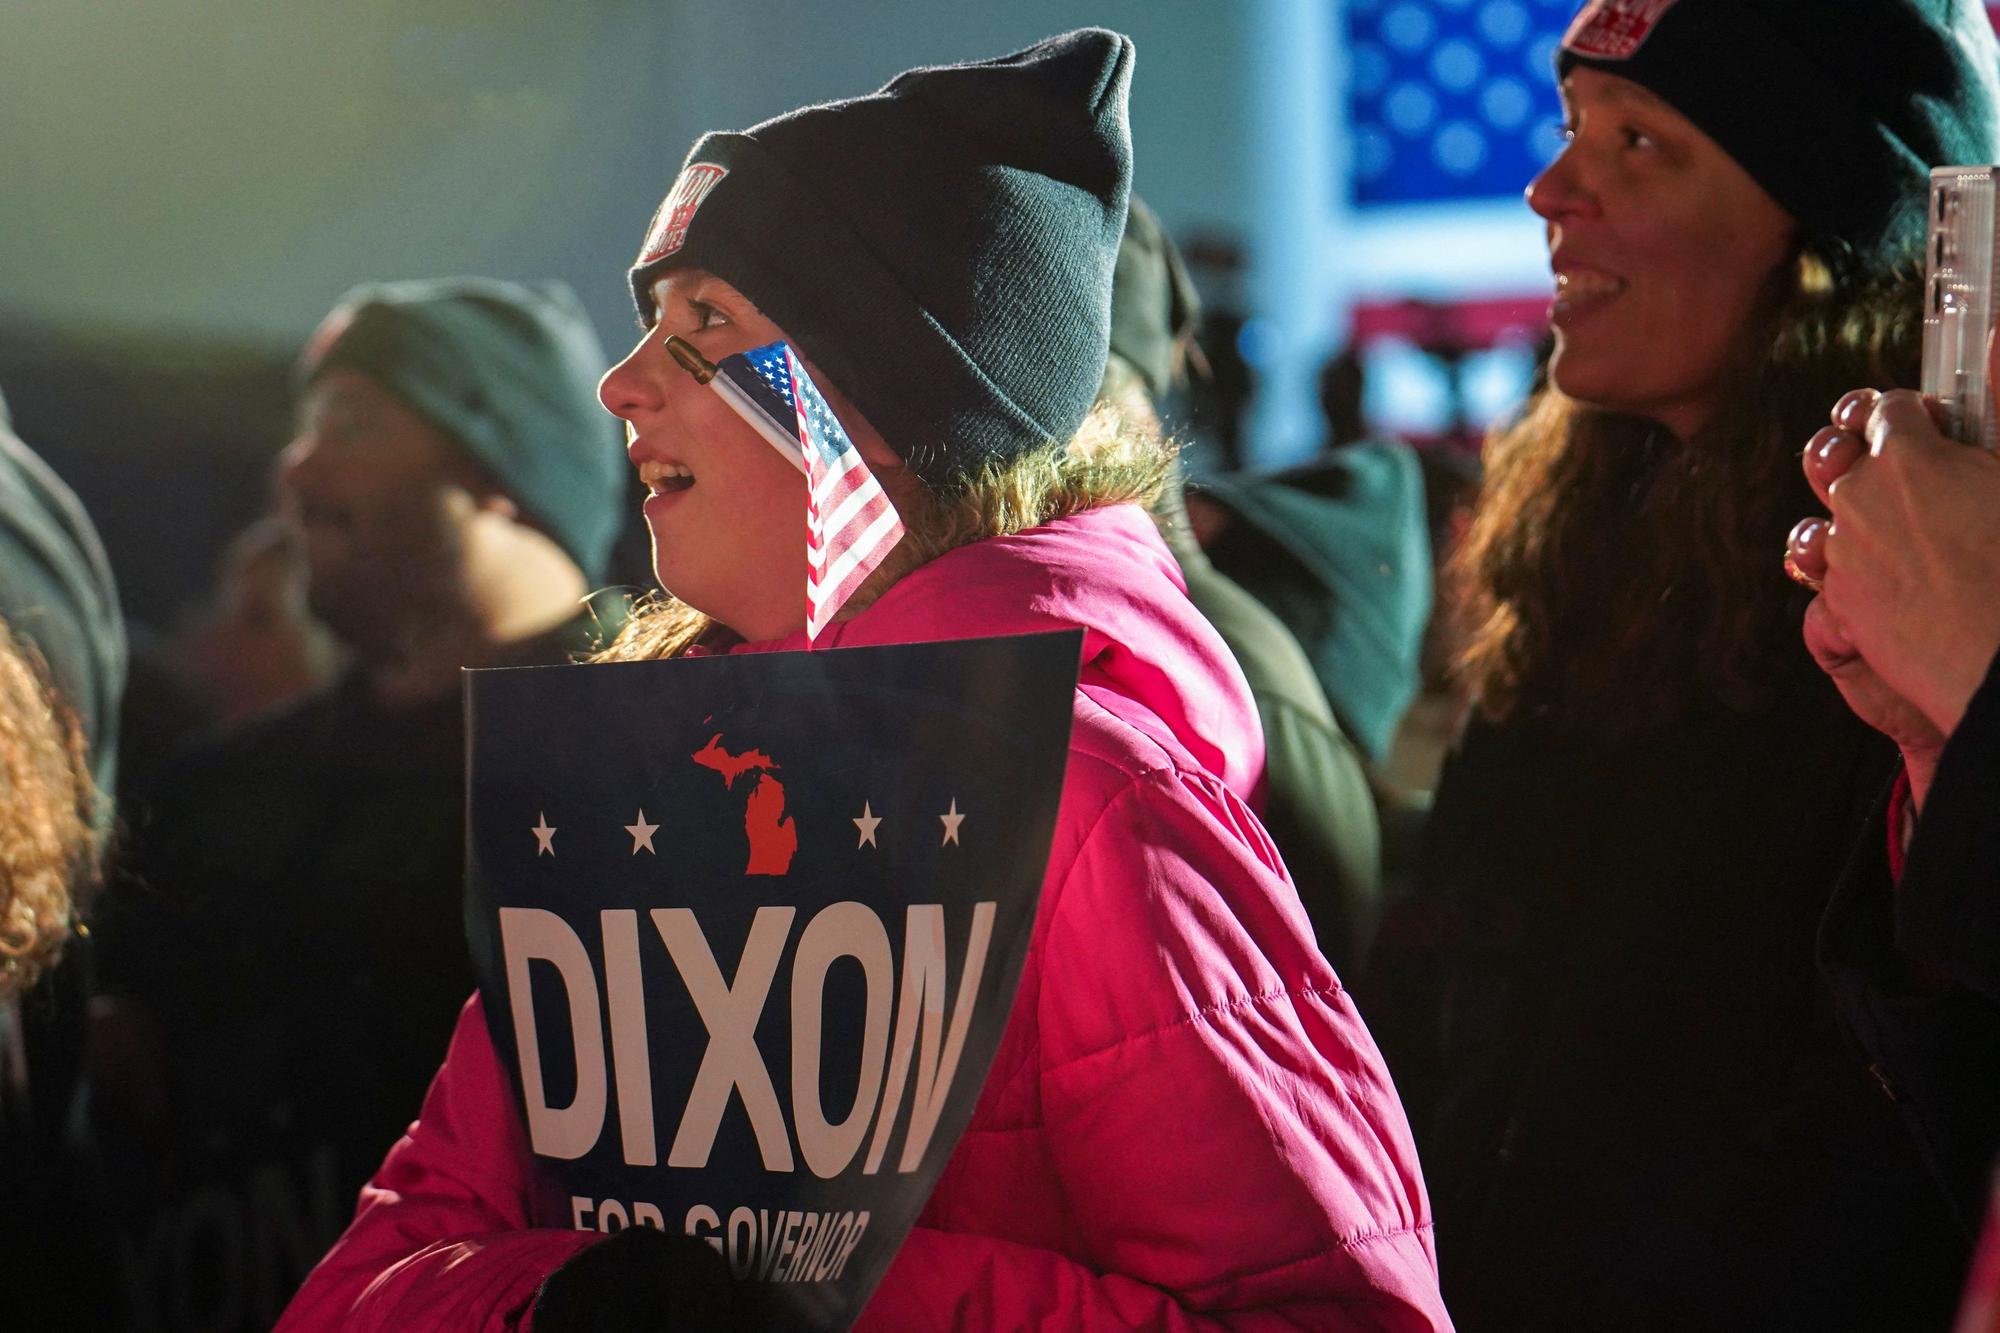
[773, 836]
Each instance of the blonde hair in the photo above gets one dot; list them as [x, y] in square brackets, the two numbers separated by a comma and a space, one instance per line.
[47, 843]
[1114, 458]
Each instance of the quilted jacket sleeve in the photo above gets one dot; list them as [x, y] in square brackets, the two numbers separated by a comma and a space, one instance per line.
[441, 1239]
[1225, 1134]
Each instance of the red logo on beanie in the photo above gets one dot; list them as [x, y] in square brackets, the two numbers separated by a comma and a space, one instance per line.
[1613, 29]
[669, 231]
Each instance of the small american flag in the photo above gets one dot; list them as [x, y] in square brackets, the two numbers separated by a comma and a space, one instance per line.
[850, 524]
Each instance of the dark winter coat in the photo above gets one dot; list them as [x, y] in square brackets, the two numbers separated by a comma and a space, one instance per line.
[291, 921]
[1915, 963]
[1631, 1095]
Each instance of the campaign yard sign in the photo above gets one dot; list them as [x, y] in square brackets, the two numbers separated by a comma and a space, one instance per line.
[749, 928]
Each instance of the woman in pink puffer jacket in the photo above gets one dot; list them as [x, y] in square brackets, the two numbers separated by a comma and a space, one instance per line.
[1187, 1125]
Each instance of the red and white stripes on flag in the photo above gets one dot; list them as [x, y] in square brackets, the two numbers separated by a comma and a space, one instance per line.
[850, 524]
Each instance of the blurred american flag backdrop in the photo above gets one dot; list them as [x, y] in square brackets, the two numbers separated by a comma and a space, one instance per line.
[1451, 101]
[1451, 109]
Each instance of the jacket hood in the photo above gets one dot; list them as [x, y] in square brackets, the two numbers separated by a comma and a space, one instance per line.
[1107, 573]
[56, 593]
[1340, 549]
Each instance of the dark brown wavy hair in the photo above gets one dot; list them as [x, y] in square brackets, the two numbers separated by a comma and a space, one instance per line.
[47, 844]
[1614, 577]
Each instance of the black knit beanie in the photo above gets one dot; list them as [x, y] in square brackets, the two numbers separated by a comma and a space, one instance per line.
[509, 373]
[1838, 108]
[941, 249]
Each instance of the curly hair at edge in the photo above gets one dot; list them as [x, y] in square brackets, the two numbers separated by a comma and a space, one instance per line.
[1614, 577]
[1113, 459]
[47, 843]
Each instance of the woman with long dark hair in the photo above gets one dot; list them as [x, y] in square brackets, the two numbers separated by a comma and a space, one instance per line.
[1635, 1105]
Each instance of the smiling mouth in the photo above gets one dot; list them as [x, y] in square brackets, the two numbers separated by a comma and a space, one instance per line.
[665, 478]
[1578, 291]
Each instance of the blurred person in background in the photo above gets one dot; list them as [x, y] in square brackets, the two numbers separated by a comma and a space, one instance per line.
[284, 957]
[62, 669]
[1343, 397]
[57, 1257]
[256, 644]
[1406, 779]
[56, 592]
[1431, 724]
[1218, 399]
[1338, 550]
[1316, 800]
[1907, 625]
[251, 646]
[1634, 1101]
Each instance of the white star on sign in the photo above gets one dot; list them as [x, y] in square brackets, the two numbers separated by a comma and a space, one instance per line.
[545, 836]
[642, 834]
[867, 824]
[951, 819]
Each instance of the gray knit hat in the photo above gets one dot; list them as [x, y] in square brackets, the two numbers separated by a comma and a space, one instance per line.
[942, 249]
[509, 372]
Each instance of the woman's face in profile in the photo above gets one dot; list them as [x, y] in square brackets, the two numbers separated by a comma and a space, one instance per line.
[1661, 245]
[726, 511]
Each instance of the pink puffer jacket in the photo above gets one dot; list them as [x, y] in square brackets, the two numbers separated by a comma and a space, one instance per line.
[1187, 1125]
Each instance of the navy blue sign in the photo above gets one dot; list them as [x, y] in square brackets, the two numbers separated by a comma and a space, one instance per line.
[748, 930]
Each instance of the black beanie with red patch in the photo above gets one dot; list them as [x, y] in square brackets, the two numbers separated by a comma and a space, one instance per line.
[941, 249]
[1837, 108]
